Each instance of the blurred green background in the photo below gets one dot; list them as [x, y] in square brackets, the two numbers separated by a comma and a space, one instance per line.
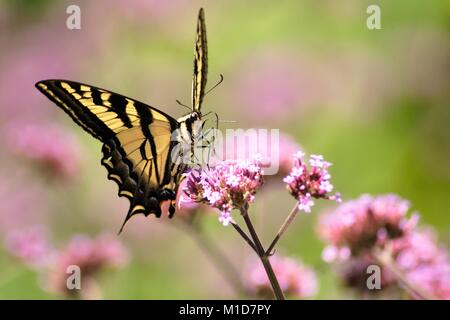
[374, 102]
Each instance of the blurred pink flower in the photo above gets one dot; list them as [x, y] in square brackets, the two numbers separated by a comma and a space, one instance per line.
[359, 224]
[417, 248]
[417, 255]
[353, 274]
[49, 146]
[31, 245]
[295, 279]
[227, 186]
[91, 256]
[357, 227]
[305, 184]
[424, 262]
[274, 85]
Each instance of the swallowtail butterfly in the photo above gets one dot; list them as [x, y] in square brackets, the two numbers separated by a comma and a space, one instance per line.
[136, 137]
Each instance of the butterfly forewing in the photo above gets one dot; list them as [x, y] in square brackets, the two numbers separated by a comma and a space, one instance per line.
[137, 140]
[200, 63]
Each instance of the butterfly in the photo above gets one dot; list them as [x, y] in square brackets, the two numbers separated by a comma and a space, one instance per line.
[136, 137]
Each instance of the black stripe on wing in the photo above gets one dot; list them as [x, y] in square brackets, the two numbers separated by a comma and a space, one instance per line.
[100, 112]
[70, 105]
[145, 198]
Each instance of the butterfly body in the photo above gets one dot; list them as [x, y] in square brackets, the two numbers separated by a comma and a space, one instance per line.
[138, 140]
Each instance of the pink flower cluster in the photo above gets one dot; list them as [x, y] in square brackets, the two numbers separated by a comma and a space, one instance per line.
[185, 205]
[30, 245]
[424, 262]
[49, 146]
[305, 184]
[90, 255]
[295, 279]
[229, 185]
[357, 227]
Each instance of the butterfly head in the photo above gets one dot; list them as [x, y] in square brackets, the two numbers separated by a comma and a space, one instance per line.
[195, 123]
[195, 115]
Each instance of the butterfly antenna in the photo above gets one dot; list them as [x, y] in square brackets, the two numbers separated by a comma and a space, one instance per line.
[182, 104]
[215, 86]
[217, 120]
[204, 123]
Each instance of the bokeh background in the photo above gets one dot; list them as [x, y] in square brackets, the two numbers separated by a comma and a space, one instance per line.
[374, 102]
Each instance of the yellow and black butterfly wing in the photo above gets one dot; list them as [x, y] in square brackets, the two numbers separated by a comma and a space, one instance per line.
[200, 63]
[137, 141]
[100, 112]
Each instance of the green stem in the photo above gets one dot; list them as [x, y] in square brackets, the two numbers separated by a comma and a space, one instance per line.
[385, 259]
[244, 236]
[283, 228]
[263, 257]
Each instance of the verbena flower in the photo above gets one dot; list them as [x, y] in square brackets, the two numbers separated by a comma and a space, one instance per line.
[424, 262]
[91, 256]
[229, 185]
[31, 245]
[306, 183]
[294, 278]
[356, 228]
[417, 255]
[48, 146]
[359, 224]
[188, 209]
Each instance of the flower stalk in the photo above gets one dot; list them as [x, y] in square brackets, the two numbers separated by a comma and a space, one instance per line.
[263, 256]
[244, 236]
[384, 258]
[287, 222]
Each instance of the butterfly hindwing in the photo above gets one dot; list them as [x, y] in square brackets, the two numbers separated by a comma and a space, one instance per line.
[200, 63]
[139, 184]
[137, 141]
